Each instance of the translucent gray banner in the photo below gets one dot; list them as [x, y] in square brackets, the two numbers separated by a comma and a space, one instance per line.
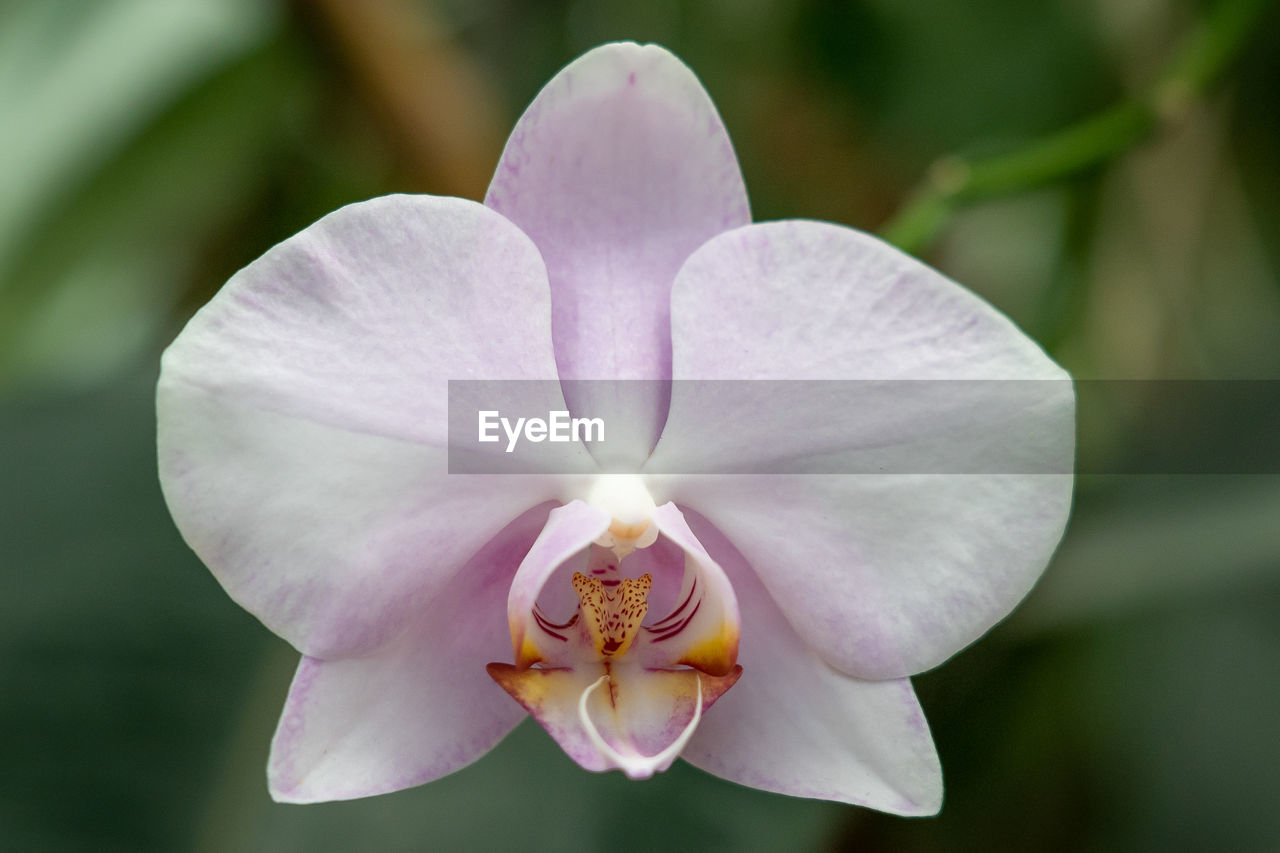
[910, 427]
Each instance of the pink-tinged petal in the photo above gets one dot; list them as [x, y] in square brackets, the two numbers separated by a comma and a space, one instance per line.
[569, 530]
[302, 415]
[359, 321]
[618, 170]
[839, 329]
[885, 575]
[616, 716]
[796, 726]
[416, 709]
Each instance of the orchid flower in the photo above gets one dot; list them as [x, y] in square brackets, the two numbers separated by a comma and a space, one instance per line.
[764, 628]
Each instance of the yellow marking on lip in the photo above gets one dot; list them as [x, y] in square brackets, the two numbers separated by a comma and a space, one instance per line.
[528, 654]
[715, 655]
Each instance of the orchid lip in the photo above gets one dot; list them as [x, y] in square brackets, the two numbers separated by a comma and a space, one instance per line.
[638, 766]
[662, 674]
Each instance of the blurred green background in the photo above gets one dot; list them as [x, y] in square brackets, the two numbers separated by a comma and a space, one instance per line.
[149, 148]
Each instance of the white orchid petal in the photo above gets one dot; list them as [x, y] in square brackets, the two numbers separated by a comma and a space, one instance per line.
[302, 415]
[885, 575]
[418, 708]
[796, 726]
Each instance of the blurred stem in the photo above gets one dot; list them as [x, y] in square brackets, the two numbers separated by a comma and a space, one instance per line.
[1066, 301]
[955, 181]
[434, 100]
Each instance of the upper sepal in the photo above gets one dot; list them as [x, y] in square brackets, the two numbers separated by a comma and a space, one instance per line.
[618, 171]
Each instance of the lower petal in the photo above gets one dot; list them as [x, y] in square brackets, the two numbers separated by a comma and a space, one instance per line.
[797, 726]
[419, 708]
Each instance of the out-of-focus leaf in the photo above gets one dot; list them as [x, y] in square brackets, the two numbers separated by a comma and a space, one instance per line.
[954, 73]
[1152, 732]
[102, 273]
[1177, 716]
[1256, 136]
[77, 80]
[121, 661]
[1008, 250]
[1154, 542]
